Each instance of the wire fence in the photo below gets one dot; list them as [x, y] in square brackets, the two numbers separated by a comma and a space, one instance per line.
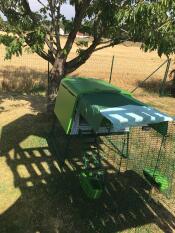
[23, 74]
[129, 73]
[29, 72]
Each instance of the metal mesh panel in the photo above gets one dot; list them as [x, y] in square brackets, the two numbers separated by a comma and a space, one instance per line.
[144, 148]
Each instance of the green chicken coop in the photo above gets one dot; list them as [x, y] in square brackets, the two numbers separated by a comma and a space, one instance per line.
[140, 135]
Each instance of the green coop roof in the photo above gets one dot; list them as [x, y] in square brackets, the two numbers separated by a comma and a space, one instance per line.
[80, 86]
[98, 102]
[73, 89]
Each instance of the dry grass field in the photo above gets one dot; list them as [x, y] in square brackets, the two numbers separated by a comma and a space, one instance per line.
[131, 66]
[36, 194]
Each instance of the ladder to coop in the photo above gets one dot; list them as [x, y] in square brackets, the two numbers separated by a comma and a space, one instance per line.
[92, 176]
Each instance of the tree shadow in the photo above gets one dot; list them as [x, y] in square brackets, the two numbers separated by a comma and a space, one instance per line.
[17, 82]
[22, 79]
[2, 109]
[37, 102]
[51, 198]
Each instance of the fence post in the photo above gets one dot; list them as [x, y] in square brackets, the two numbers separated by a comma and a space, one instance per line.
[162, 88]
[112, 65]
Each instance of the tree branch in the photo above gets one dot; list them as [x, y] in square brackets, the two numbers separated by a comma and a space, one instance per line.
[28, 10]
[82, 58]
[110, 45]
[46, 56]
[79, 15]
[41, 53]
[50, 45]
[55, 17]
[41, 3]
[105, 42]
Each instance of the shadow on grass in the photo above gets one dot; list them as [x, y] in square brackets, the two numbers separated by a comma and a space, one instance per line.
[2, 109]
[154, 86]
[22, 79]
[51, 198]
[37, 102]
[17, 81]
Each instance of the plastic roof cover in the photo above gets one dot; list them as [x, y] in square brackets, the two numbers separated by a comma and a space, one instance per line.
[132, 115]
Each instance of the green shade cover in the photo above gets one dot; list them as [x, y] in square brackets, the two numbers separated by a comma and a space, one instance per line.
[90, 106]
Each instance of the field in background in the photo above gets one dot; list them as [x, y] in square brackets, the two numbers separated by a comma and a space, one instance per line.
[131, 65]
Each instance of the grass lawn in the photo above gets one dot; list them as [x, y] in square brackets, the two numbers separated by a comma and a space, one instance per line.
[38, 194]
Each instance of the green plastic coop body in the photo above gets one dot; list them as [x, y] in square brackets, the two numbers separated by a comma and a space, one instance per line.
[73, 89]
[97, 100]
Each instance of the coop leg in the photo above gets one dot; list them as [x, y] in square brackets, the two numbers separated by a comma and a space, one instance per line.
[53, 125]
[127, 150]
[120, 164]
[66, 151]
[151, 193]
[98, 151]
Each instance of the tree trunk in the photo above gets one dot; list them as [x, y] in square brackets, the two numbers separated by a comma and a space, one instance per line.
[55, 77]
[173, 86]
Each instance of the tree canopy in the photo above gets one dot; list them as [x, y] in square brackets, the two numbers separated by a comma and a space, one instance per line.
[149, 22]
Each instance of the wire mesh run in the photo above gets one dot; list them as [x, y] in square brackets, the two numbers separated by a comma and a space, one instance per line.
[145, 150]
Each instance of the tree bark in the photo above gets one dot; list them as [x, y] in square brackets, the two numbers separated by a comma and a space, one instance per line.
[55, 77]
[173, 85]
